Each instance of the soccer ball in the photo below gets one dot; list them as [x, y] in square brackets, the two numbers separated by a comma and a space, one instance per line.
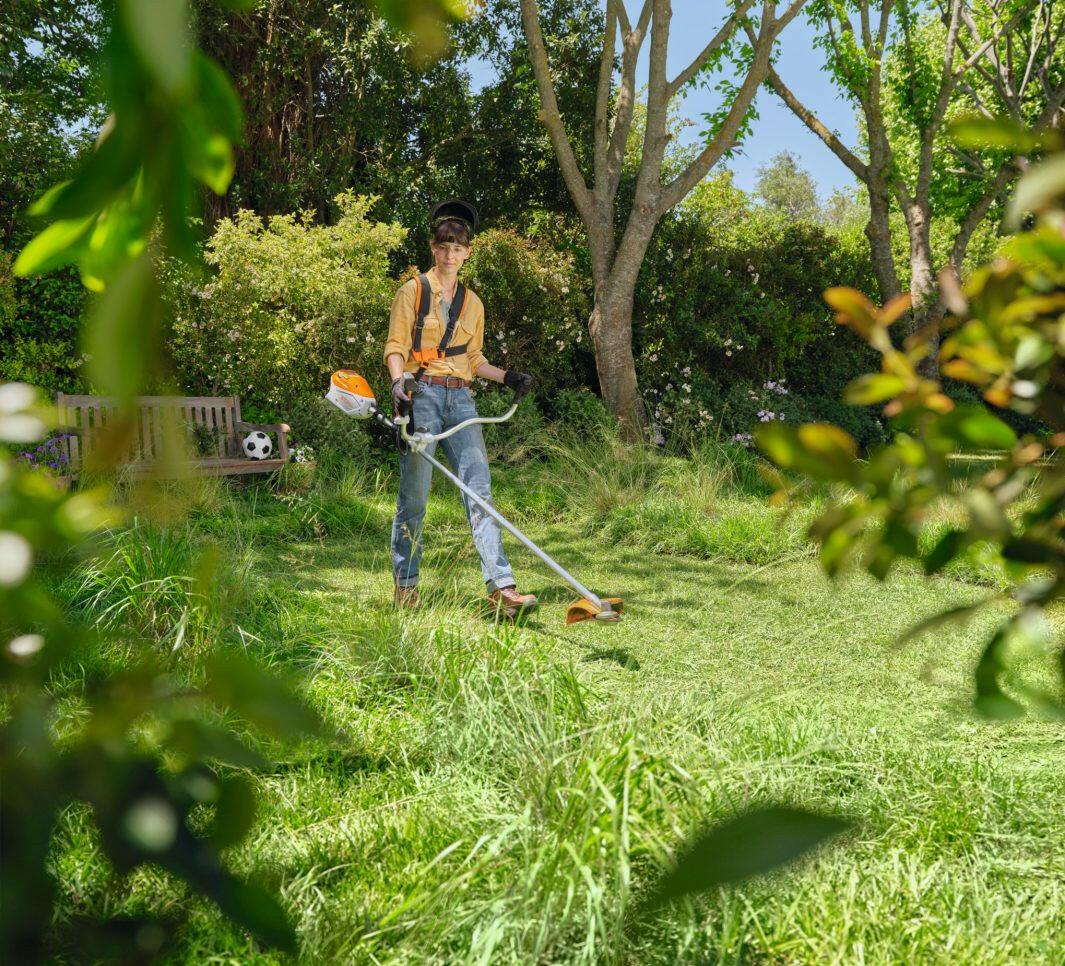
[257, 445]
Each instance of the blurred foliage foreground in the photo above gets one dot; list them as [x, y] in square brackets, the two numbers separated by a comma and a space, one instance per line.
[1006, 337]
[152, 756]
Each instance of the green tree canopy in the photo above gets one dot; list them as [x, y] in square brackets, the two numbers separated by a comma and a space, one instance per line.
[787, 187]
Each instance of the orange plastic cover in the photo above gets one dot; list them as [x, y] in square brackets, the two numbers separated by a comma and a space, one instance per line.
[352, 382]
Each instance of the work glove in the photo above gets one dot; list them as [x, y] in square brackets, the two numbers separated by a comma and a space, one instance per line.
[520, 382]
[401, 402]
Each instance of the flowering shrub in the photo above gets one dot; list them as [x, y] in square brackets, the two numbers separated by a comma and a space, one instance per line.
[729, 311]
[288, 301]
[51, 453]
[536, 309]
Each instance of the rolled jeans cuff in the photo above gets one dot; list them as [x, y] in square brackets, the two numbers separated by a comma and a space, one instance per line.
[507, 580]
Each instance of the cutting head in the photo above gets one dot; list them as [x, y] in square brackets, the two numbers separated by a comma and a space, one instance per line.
[351, 393]
[584, 609]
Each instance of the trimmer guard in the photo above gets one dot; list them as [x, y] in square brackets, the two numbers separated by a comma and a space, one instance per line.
[584, 609]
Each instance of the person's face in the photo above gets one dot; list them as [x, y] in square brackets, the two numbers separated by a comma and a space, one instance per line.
[449, 256]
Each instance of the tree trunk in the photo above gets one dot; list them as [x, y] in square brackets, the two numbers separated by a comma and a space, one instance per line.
[610, 326]
[878, 231]
[922, 282]
[615, 270]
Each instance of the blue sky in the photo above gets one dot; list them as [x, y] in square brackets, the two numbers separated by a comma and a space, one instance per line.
[777, 129]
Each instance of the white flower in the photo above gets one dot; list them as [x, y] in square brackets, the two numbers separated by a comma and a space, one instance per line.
[25, 645]
[17, 424]
[16, 556]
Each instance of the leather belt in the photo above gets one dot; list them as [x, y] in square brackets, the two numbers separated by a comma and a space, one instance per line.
[449, 382]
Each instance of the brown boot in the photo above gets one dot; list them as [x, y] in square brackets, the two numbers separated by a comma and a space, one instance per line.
[510, 603]
[405, 597]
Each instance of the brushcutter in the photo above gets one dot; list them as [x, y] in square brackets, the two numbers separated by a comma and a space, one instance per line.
[351, 393]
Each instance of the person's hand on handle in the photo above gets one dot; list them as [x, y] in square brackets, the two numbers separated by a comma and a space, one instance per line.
[519, 382]
[400, 400]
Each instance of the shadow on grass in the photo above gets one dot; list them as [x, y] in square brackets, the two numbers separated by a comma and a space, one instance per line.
[618, 655]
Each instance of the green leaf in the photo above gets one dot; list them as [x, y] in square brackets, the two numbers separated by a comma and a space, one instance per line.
[856, 310]
[158, 31]
[900, 537]
[200, 740]
[976, 131]
[43, 205]
[1030, 551]
[234, 811]
[209, 157]
[106, 172]
[1039, 187]
[57, 245]
[975, 426]
[258, 911]
[959, 613]
[746, 846]
[820, 450]
[265, 700]
[120, 235]
[988, 518]
[220, 101]
[991, 700]
[120, 335]
[880, 561]
[873, 388]
[946, 549]
[179, 200]
[1032, 351]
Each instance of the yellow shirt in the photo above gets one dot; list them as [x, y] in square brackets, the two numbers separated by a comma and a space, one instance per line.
[469, 328]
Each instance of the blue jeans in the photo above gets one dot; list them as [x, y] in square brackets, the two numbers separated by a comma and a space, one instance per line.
[437, 408]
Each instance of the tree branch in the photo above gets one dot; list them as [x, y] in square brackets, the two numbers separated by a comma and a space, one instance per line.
[1006, 173]
[882, 30]
[632, 41]
[648, 179]
[721, 37]
[804, 114]
[549, 113]
[602, 94]
[726, 135]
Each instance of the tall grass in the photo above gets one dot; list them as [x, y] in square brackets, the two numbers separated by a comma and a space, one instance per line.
[163, 583]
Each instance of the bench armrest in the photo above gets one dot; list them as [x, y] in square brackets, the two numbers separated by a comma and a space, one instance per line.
[282, 429]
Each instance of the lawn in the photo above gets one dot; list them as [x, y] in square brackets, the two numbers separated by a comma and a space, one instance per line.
[508, 793]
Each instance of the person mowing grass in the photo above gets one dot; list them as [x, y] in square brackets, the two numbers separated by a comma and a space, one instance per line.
[436, 332]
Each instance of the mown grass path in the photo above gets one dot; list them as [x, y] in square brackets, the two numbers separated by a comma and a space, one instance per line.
[505, 794]
[508, 790]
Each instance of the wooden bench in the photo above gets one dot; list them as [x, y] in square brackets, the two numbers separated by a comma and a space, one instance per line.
[85, 419]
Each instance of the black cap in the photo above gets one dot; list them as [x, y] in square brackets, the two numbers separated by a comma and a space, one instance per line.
[454, 208]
